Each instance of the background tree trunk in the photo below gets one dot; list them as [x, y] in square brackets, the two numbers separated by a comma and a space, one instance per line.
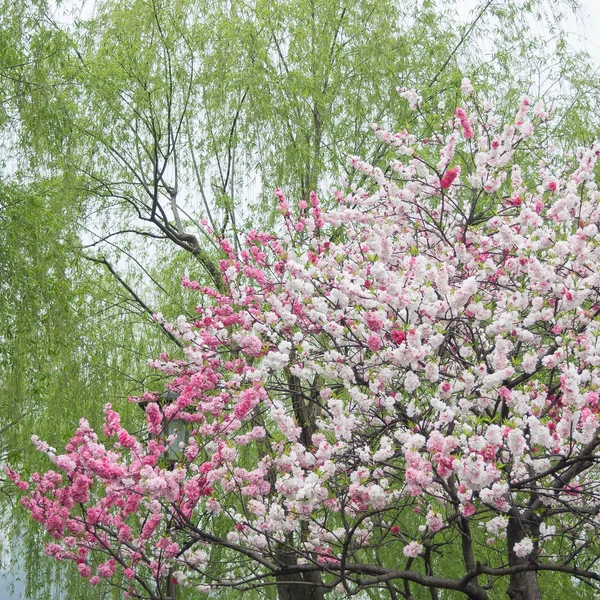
[297, 586]
[524, 585]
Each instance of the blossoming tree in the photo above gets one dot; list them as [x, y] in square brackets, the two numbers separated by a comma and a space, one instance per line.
[411, 374]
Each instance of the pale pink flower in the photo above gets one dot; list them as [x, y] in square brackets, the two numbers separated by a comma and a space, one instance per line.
[412, 550]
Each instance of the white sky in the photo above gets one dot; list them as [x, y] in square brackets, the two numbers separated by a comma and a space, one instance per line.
[585, 29]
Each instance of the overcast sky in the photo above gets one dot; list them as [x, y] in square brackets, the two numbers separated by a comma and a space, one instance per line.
[585, 29]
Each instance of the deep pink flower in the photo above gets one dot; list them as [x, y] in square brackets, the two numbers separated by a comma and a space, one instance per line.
[398, 336]
[449, 177]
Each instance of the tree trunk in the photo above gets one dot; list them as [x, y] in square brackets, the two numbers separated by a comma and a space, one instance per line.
[523, 585]
[298, 586]
[301, 586]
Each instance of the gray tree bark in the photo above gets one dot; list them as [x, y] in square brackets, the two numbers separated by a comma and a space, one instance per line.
[523, 585]
[298, 586]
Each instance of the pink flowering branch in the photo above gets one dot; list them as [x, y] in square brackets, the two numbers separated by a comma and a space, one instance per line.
[431, 368]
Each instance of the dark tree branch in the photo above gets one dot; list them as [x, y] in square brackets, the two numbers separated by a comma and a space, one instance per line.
[139, 301]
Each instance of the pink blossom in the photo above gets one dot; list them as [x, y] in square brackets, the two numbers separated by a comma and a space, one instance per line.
[16, 478]
[153, 418]
[84, 570]
[398, 336]
[434, 521]
[374, 323]
[573, 490]
[374, 343]
[226, 246]
[468, 132]
[449, 177]
[412, 550]
[151, 525]
[466, 87]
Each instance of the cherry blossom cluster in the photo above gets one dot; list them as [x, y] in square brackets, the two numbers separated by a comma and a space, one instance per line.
[421, 359]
